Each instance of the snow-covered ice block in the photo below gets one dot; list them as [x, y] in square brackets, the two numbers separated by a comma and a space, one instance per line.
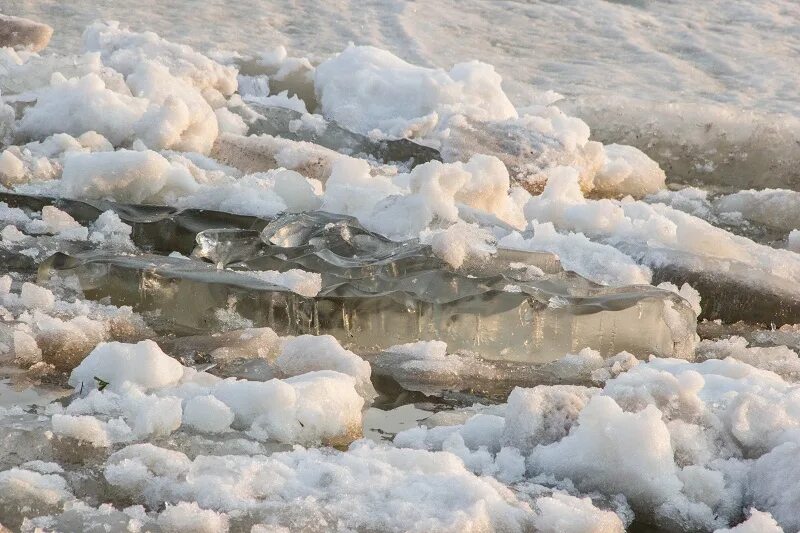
[21, 33]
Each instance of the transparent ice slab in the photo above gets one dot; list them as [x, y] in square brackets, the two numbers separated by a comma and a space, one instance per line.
[156, 228]
[498, 317]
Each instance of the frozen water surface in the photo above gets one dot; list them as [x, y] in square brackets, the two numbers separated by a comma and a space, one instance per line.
[475, 266]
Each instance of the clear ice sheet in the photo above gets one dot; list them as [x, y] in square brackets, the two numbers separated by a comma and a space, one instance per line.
[377, 293]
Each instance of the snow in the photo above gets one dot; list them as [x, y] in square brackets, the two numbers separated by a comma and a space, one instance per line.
[568, 514]
[142, 364]
[79, 105]
[542, 415]
[773, 484]
[316, 406]
[758, 522]
[304, 283]
[125, 176]
[371, 91]
[628, 170]
[309, 353]
[657, 234]
[387, 489]
[598, 262]
[190, 517]
[125, 50]
[207, 414]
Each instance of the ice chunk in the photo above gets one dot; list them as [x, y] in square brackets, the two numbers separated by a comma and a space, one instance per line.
[291, 124]
[25, 492]
[502, 318]
[126, 176]
[32, 296]
[190, 517]
[775, 208]
[371, 91]
[21, 33]
[259, 153]
[562, 513]
[737, 278]
[78, 105]
[207, 414]
[628, 170]
[11, 168]
[142, 364]
[773, 485]
[308, 353]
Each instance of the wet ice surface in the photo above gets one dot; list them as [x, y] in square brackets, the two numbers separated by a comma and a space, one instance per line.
[259, 291]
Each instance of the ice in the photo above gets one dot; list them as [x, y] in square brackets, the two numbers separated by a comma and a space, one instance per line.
[260, 153]
[208, 414]
[125, 176]
[222, 250]
[762, 215]
[23, 34]
[565, 513]
[297, 126]
[371, 91]
[775, 208]
[551, 316]
[124, 50]
[41, 327]
[711, 144]
[142, 364]
[158, 228]
[24, 492]
[426, 366]
[389, 489]
[737, 278]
